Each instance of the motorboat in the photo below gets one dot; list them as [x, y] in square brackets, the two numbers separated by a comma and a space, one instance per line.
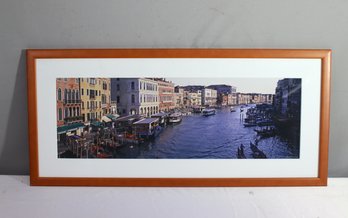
[232, 109]
[175, 117]
[209, 112]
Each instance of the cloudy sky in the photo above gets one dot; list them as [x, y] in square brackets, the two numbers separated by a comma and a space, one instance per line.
[245, 85]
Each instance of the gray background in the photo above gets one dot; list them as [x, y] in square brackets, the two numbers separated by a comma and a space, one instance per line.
[164, 24]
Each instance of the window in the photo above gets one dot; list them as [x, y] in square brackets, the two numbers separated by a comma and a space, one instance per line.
[59, 94]
[87, 104]
[60, 114]
[69, 95]
[82, 93]
[118, 99]
[132, 86]
[66, 112]
[133, 99]
[83, 105]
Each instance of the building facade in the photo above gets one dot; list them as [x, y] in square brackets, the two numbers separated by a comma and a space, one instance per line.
[166, 94]
[68, 101]
[243, 98]
[194, 98]
[223, 89]
[135, 96]
[179, 97]
[106, 96]
[287, 100]
[209, 97]
[91, 98]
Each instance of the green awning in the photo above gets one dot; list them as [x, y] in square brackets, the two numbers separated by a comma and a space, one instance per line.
[97, 124]
[69, 127]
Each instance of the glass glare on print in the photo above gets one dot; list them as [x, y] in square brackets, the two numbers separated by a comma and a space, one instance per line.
[178, 118]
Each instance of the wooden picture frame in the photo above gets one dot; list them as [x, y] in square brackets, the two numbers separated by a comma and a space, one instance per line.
[65, 57]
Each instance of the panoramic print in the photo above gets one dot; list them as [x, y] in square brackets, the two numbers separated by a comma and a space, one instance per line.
[178, 118]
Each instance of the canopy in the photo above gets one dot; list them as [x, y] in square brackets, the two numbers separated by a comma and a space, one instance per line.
[69, 127]
[106, 119]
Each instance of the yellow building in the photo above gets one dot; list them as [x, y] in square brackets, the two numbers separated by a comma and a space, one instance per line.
[93, 91]
[106, 96]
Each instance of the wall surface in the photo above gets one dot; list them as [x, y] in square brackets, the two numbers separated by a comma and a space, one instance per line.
[164, 24]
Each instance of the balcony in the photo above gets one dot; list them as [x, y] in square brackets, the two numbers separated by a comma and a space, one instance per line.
[75, 101]
[73, 119]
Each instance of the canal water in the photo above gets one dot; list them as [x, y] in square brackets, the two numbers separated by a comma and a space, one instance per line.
[217, 136]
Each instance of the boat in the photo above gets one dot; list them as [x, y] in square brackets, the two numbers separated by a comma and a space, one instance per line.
[249, 124]
[264, 122]
[257, 153]
[147, 128]
[266, 133]
[175, 117]
[197, 109]
[240, 152]
[232, 109]
[209, 112]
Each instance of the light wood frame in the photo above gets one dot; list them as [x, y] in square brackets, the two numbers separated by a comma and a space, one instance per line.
[323, 54]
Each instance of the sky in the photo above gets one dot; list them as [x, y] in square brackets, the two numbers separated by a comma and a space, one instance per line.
[244, 85]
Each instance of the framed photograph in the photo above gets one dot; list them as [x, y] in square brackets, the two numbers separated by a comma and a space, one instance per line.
[178, 117]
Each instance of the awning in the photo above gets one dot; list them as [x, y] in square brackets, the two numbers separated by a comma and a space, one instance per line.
[106, 119]
[113, 117]
[97, 124]
[146, 121]
[69, 127]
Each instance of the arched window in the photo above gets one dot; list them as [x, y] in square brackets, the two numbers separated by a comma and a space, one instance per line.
[60, 114]
[77, 95]
[141, 111]
[59, 94]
